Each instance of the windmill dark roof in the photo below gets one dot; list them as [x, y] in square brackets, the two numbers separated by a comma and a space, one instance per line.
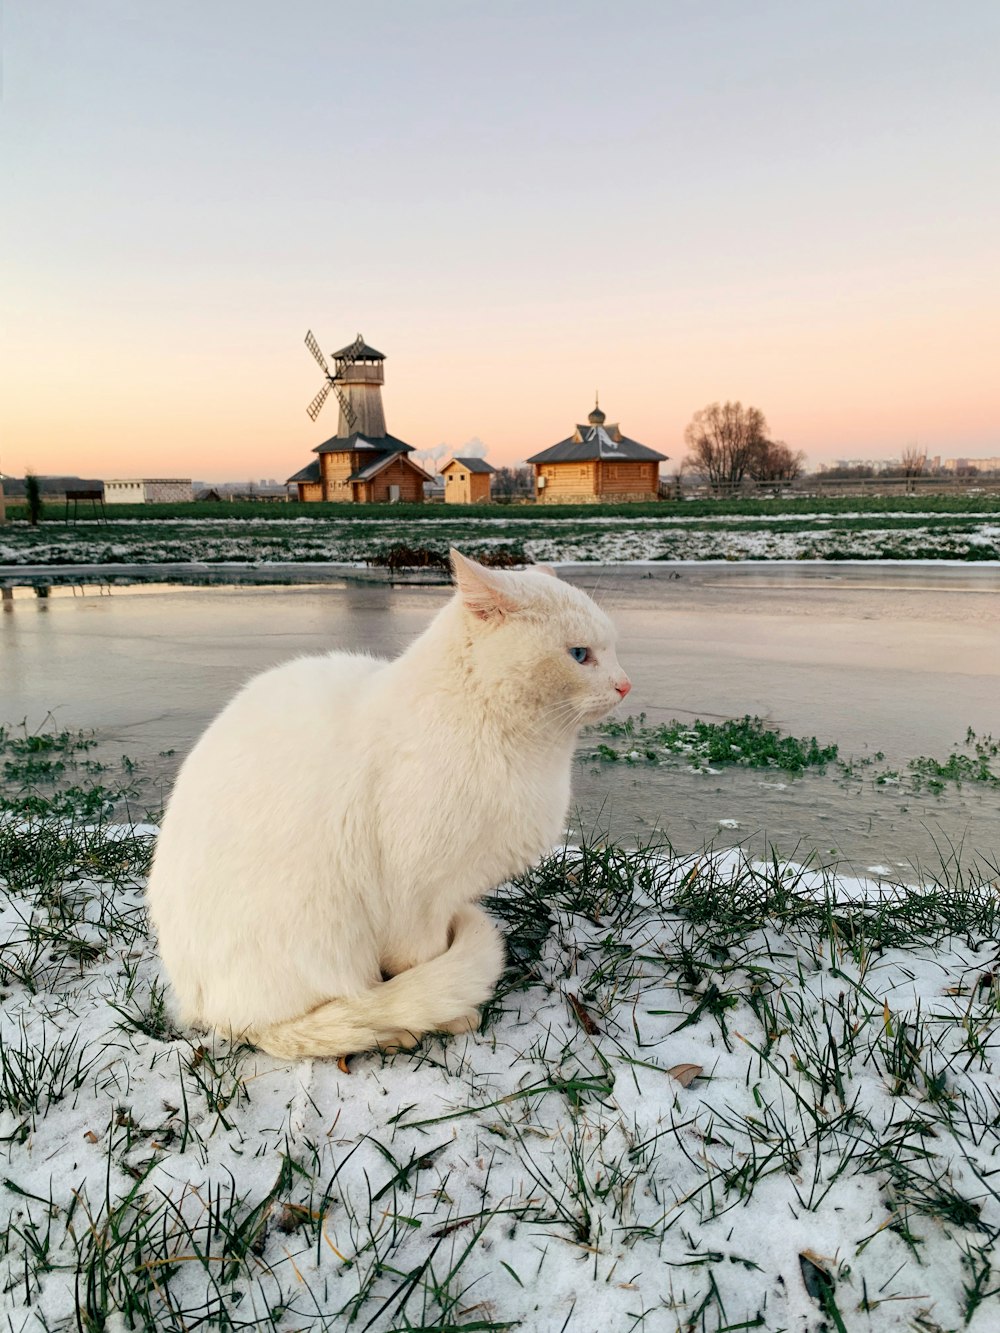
[309, 473]
[366, 354]
[358, 443]
[470, 465]
[595, 442]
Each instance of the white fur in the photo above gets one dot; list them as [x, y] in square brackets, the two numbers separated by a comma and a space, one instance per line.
[336, 822]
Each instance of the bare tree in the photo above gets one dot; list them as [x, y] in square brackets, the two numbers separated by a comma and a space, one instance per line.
[913, 461]
[773, 461]
[672, 487]
[723, 439]
[510, 483]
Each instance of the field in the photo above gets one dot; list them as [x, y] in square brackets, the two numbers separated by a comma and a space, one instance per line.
[963, 528]
[710, 1095]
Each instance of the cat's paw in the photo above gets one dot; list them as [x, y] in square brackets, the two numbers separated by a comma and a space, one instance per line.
[468, 1022]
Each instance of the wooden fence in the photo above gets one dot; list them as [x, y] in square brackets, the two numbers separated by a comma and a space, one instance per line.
[818, 485]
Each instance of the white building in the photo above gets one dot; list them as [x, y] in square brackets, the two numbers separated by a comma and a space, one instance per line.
[148, 490]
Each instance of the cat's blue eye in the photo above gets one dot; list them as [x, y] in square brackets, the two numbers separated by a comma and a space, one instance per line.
[579, 654]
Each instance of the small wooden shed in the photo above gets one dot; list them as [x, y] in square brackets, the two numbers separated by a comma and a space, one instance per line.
[468, 481]
[596, 463]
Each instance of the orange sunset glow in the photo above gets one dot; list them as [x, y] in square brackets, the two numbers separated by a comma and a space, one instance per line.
[786, 205]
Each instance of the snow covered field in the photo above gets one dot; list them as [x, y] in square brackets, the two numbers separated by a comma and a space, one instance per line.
[786, 537]
[710, 1095]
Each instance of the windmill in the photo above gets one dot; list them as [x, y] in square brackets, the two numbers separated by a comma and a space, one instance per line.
[334, 379]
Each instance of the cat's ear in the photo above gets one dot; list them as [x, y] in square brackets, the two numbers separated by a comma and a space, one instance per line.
[545, 569]
[484, 592]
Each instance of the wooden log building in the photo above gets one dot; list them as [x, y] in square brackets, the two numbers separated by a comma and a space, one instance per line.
[468, 481]
[596, 463]
[362, 463]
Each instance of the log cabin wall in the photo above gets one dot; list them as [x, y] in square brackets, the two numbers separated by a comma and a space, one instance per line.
[621, 480]
[457, 486]
[590, 483]
[410, 483]
[335, 468]
[567, 483]
[464, 487]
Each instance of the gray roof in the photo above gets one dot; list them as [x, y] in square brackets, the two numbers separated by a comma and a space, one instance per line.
[309, 473]
[471, 465]
[366, 354]
[358, 443]
[593, 442]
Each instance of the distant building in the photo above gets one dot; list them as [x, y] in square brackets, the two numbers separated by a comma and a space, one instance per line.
[467, 481]
[362, 463]
[148, 490]
[50, 488]
[257, 494]
[597, 462]
[960, 465]
[874, 466]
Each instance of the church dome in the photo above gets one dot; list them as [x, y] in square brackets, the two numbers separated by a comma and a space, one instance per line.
[596, 417]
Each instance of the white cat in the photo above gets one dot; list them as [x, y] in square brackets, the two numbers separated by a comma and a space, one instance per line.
[337, 821]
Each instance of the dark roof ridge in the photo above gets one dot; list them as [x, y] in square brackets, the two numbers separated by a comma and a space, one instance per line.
[365, 354]
[471, 464]
[357, 441]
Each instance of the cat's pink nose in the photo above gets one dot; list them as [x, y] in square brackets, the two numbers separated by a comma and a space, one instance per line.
[623, 687]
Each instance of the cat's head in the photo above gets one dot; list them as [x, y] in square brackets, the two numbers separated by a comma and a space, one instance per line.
[540, 641]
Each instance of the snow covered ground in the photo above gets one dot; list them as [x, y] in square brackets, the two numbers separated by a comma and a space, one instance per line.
[710, 1095]
[354, 540]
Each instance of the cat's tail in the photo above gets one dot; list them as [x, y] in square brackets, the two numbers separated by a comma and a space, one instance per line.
[439, 995]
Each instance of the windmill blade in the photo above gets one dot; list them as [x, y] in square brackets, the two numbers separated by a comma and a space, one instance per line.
[350, 416]
[318, 401]
[313, 346]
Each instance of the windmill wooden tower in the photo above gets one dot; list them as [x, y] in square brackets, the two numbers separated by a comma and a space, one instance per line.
[362, 463]
[356, 380]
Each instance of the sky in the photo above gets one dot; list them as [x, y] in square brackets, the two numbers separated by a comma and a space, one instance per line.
[789, 203]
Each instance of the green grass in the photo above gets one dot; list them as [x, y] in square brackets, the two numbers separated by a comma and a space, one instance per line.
[47, 774]
[520, 512]
[365, 534]
[748, 742]
[979, 766]
[848, 1053]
